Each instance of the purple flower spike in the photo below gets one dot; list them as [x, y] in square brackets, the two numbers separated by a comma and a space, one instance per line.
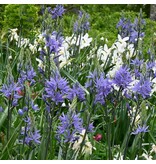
[76, 91]
[57, 12]
[82, 24]
[143, 87]
[103, 88]
[54, 42]
[70, 124]
[123, 77]
[56, 89]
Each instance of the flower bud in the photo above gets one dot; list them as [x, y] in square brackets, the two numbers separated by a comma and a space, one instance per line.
[98, 137]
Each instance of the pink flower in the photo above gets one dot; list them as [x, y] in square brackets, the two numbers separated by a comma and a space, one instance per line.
[98, 137]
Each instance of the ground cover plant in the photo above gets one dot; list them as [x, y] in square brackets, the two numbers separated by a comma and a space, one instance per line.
[68, 95]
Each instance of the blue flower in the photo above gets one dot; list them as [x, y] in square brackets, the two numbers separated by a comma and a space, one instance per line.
[150, 65]
[70, 124]
[57, 12]
[122, 77]
[91, 80]
[137, 62]
[34, 106]
[90, 127]
[103, 88]
[35, 136]
[27, 75]
[10, 90]
[30, 73]
[54, 42]
[121, 22]
[132, 30]
[56, 88]
[133, 36]
[29, 134]
[140, 129]
[143, 87]
[76, 91]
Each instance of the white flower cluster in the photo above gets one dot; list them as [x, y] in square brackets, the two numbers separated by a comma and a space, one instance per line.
[25, 42]
[81, 41]
[119, 50]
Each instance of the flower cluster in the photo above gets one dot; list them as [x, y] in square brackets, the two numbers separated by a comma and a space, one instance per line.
[91, 78]
[76, 91]
[27, 75]
[103, 88]
[53, 42]
[143, 87]
[29, 135]
[57, 12]
[11, 91]
[56, 88]
[70, 124]
[81, 41]
[132, 30]
[122, 77]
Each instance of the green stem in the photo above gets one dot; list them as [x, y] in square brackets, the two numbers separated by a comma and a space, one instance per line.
[140, 146]
[49, 131]
[108, 136]
[65, 152]
[25, 130]
[129, 134]
[9, 121]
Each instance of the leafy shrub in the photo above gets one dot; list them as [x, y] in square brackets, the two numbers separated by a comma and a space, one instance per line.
[23, 17]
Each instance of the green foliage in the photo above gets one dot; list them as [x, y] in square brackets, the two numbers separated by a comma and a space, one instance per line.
[23, 17]
[2, 8]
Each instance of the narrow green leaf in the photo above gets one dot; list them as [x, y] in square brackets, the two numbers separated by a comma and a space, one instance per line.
[3, 116]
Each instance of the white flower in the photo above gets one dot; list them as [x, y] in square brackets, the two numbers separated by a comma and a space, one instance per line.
[130, 51]
[13, 34]
[121, 44]
[10, 57]
[85, 41]
[82, 41]
[102, 38]
[32, 48]
[154, 86]
[64, 53]
[41, 65]
[131, 114]
[112, 72]
[147, 157]
[24, 42]
[118, 156]
[104, 52]
[153, 149]
[87, 148]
